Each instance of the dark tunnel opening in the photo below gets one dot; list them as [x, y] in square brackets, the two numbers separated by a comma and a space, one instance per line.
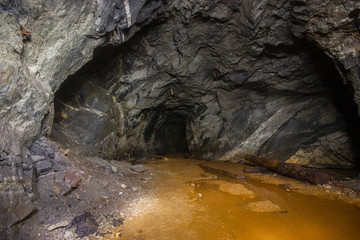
[85, 111]
[170, 138]
[167, 132]
[340, 95]
[336, 94]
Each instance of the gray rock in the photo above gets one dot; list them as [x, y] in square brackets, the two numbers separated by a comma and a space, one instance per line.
[57, 225]
[262, 100]
[60, 159]
[37, 150]
[77, 196]
[252, 104]
[111, 169]
[21, 212]
[85, 224]
[37, 158]
[138, 168]
[43, 167]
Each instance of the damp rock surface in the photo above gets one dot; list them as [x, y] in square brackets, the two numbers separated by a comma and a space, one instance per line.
[264, 206]
[234, 189]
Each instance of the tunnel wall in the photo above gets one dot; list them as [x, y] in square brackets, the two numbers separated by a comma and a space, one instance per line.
[249, 88]
[59, 48]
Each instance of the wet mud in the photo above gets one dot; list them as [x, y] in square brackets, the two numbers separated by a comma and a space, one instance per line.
[183, 201]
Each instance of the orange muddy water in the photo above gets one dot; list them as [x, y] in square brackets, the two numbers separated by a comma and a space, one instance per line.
[185, 202]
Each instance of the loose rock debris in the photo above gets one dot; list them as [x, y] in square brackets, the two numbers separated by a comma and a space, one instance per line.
[264, 206]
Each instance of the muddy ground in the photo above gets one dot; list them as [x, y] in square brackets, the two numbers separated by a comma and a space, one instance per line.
[92, 198]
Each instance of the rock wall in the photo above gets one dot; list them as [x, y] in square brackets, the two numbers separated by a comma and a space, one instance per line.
[63, 37]
[41, 44]
[334, 27]
[241, 76]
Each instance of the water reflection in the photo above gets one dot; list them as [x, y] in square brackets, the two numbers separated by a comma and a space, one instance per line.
[184, 202]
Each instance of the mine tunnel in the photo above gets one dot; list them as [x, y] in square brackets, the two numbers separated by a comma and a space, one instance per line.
[99, 113]
[341, 96]
[338, 95]
[170, 138]
[167, 126]
[182, 120]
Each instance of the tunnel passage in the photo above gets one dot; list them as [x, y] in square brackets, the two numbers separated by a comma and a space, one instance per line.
[167, 131]
[133, 104]
[171, 136]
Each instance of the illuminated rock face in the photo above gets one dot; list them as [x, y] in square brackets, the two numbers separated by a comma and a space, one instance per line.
[228, 70]
[213, 79]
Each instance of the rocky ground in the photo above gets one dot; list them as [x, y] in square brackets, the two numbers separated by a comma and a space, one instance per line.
[76, 196]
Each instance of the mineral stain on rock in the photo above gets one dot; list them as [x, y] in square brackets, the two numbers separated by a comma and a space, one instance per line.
[237, 189]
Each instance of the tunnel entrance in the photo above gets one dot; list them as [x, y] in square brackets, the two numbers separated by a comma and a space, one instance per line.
[170, 138]
[341, 97]
[168, 131]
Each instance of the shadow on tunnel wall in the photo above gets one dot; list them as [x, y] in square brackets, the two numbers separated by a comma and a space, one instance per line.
[334, 96]
[341, 96]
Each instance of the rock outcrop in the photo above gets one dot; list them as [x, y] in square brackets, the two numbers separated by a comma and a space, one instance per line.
[215, 79]
[61, 38]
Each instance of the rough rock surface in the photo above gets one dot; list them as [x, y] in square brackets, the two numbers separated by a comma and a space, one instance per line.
[64, 35]
[278, 79]
[61, 196]
[334, 26]
[228, 79]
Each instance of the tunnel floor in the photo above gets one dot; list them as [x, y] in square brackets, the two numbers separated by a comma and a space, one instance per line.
[175, 198]
[185, 202]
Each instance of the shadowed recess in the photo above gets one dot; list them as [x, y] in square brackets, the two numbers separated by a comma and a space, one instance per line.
[171, 137]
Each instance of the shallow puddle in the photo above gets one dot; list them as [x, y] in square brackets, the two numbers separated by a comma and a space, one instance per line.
[185, 202]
